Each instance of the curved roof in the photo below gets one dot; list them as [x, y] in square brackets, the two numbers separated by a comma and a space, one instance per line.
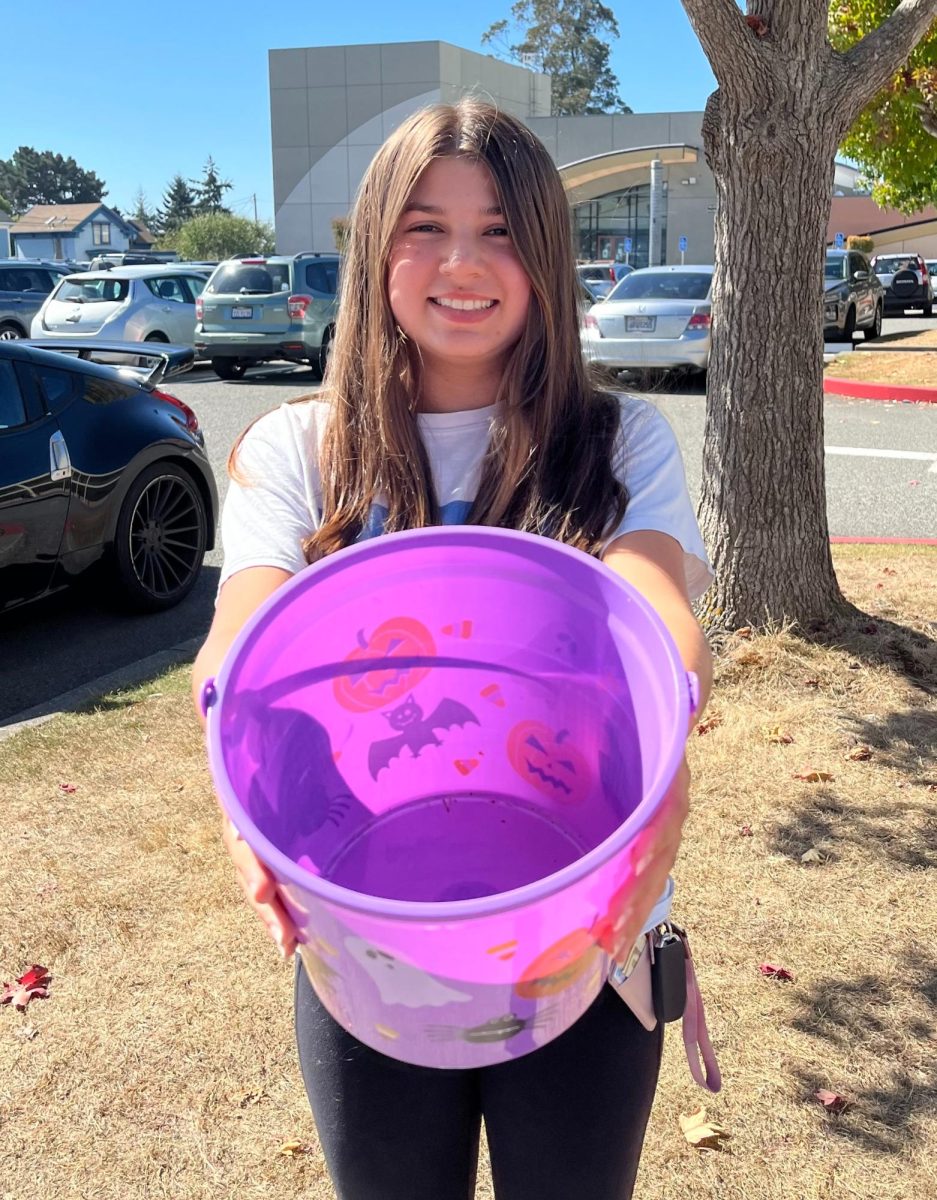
[589, 178]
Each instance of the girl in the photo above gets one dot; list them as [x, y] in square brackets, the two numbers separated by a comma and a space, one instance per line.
[457, 393]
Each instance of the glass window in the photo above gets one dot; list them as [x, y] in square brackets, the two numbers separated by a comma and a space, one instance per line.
[83, 290]
[196, 285]
[662, 285]
[322, 277]
[12, 406]
[100, 233]
[835, 268]
[59, 387]
[250, 279]
[168, 288]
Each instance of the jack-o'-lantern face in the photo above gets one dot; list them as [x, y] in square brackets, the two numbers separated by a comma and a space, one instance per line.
[547, 759]
[377, 687]
[558, 967]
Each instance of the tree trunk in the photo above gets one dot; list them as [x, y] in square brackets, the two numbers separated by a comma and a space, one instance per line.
[763, 508]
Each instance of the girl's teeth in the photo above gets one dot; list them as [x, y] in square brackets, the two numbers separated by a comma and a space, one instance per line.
[465, 305]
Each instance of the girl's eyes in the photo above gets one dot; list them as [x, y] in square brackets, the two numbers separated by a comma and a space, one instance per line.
[498, 230]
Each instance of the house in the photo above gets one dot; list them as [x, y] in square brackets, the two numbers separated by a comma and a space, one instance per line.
[6, 222]
[143, 239]
[71, 231]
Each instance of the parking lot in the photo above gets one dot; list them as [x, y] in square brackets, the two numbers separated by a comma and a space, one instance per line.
[65, 642]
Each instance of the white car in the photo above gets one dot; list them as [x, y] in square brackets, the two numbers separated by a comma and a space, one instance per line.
[657, 318]
[124, 304]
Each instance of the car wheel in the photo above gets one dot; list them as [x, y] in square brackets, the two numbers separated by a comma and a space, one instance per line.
[928, 310]
[849, 325]
[228, 368]
[325, 350]
[10, 332]
[162, 531]
[875, 329]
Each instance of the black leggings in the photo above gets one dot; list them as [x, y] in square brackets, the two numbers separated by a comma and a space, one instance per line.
[565, 1121]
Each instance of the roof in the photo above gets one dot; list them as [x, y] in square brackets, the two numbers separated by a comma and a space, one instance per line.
[140, 272]
[60, 218]
[143, 234]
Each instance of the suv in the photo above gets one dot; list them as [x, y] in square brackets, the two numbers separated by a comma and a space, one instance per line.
[906, 280]
[853, 297]
[257, 309]
[24, 286]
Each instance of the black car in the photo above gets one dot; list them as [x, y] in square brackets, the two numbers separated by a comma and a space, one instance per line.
[100, 468]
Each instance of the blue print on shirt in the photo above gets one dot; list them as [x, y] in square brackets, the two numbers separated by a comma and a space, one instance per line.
[453, 513]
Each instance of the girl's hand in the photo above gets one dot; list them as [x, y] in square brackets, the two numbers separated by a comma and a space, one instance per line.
[652, 855]
[259, 888]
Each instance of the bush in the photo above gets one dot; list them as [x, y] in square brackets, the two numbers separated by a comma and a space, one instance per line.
[857, 241]
[341, 228]
[221, 235]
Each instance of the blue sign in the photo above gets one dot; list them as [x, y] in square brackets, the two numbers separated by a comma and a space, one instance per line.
[682, 244]
[627, 245]
[840, 241]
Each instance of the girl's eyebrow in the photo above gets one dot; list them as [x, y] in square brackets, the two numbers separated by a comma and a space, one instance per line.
[436, 211]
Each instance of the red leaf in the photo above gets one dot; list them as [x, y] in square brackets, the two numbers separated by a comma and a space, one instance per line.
[812, 683]
[832, 1101]
[812, 775]
[31, 986]
[757, 25]
[708, 726]
[745, 831]
[774, 971]
[889, 571]
[69, 788]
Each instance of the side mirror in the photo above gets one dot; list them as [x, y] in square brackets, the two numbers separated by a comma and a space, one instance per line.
[860, 276]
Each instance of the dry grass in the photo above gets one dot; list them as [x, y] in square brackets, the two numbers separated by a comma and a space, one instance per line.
[163, 1064]
[879, 365]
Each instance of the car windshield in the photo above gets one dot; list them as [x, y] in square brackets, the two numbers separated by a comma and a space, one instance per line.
[890, 264]
[103, 289]
[663, 285]
[257, 278]
[835, 268]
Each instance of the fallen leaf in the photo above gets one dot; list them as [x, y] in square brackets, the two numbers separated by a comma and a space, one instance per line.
[745, 831]
[811, 775]
[812, 855]
[812, 683]
[34, 985]
[832, 1101]
[745, 632]
[774, 971]
[26, 1033]
[860, 754]
[779, 736]
[708, 726]
[699, 1131]
[889, 571]
[291, 1149]
[68, 788]
[932, 787]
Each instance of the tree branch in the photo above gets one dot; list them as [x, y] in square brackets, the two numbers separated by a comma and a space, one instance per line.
[869, 65]
[723, 34]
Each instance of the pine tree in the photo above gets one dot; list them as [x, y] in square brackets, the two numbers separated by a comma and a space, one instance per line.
[210, 190]
[178, 205]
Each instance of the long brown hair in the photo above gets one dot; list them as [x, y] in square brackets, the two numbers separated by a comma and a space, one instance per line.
[548, 467]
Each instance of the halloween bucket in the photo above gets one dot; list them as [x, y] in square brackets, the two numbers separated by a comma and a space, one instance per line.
[442, 743]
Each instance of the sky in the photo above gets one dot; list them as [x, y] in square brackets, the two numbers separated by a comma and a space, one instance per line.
[140, 94]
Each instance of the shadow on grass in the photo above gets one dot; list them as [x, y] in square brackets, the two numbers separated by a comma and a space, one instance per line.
[877, 641]
[864, 1014]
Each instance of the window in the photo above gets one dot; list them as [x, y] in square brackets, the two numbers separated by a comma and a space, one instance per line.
[196, 285]
[59, 387]
[662, 285]
[101, 233]
[83, 290]
[12, 407]
[169, 288]
[250, 279]
[322, 278]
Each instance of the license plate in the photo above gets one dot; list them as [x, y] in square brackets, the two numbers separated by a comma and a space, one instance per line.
[640, 324]
[242, 311]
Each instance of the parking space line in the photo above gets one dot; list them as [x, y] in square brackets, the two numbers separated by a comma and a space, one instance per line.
[869, 452]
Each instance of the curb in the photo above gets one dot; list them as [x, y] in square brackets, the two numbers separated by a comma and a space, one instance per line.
[883, 541]
[123, 677]
[860, 389]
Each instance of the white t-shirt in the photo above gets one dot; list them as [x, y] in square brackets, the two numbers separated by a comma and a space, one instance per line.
[265, 519]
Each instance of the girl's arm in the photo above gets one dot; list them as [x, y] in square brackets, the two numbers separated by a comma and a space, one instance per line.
[240, 596]
[653, 563]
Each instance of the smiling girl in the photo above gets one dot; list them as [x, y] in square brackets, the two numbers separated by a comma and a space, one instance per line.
[457, 394]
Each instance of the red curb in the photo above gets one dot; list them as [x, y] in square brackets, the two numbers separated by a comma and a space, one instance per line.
[886, 541]
[861, 390]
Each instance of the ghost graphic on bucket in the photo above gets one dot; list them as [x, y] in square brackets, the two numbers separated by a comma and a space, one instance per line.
[400, 983]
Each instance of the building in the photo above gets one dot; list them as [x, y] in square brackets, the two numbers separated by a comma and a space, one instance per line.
[892, 232]
[332, 106]
[70, 231]
[6, 224]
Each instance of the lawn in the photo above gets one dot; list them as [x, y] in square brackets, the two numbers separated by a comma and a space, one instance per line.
[162, 1064]
[915, 367]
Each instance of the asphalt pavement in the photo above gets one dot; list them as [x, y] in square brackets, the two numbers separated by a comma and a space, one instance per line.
[71, 639]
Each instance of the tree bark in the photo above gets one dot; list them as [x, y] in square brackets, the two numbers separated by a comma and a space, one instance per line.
[770, 136]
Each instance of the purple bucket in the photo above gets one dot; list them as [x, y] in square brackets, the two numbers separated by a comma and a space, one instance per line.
[442, 743]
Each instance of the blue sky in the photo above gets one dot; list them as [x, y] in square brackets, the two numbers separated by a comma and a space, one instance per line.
[138, 94]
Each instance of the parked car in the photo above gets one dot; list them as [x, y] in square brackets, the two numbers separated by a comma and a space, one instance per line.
[601, 277]
[102, 469]
[126, 258]
[654, 318]
[906, 280]
[853, 297]
[255, 310]
[24, 285]
[126, 304]
[931, 264]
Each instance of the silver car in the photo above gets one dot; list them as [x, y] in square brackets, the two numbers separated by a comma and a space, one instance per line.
[655, 318]
[124, 304]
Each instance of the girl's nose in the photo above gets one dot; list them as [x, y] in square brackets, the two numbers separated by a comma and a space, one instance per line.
[460, 258]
